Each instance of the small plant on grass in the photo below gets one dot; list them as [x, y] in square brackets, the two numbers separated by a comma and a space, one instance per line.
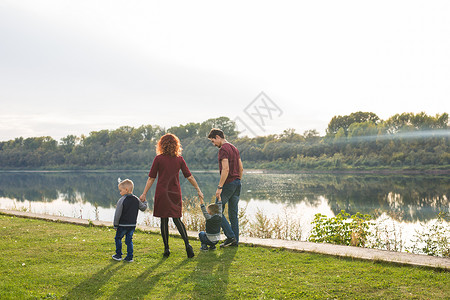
[386, 235]
[150, 220]
[96, 211]
[278, 228]
[262, 227]
[295, 231]
[243, 221]
[433, 239]
[23, 209]
[287, 227]
[342, 229]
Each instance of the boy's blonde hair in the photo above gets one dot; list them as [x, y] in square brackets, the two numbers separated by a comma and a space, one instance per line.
[213, 208]
[127, 184]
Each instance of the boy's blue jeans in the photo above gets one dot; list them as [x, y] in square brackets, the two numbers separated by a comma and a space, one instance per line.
[126, 231]
[204, 239]
[230, 194]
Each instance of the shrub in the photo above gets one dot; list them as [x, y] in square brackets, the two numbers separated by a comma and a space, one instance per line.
[342, 229]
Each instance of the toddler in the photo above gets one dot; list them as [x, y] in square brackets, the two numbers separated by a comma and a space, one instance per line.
[125, 219]
[213, 215]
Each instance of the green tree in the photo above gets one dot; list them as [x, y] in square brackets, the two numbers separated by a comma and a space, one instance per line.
[289, 135]
[189, 130]
[227, 125]
[344, 122]
[411, 122]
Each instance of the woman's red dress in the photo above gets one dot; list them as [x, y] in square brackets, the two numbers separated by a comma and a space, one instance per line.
[168, 201]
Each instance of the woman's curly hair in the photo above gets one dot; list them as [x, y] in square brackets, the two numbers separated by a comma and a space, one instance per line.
[169, 144]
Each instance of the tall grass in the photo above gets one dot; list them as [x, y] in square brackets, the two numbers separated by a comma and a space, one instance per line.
[434, 238]
[386, 235]
[284, 227]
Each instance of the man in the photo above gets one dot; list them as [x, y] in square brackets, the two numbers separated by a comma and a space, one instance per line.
[229, 188]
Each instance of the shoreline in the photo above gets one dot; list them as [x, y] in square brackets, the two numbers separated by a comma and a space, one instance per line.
[249, 171]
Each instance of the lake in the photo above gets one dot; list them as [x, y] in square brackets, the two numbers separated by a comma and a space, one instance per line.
[403, 202]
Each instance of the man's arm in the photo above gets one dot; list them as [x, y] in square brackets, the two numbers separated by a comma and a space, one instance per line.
[241, 169]
[223, 176]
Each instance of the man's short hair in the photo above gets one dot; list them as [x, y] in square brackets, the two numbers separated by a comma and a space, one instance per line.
[215, 131]
[213, 208]
[127, 184]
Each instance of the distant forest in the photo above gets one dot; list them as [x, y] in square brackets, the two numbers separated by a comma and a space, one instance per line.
[359, 141]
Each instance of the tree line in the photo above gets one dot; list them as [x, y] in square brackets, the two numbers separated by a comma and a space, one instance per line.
[360, 140]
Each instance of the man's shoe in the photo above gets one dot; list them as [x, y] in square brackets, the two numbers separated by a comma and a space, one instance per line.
[229, 242]
[128, 259]
[204, 248]
[212, 248]
[117, 257]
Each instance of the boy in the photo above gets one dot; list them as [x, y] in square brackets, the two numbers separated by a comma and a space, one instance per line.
[125, 219]
[213, 216]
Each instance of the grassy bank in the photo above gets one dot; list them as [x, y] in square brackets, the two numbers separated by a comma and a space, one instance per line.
[54, 260]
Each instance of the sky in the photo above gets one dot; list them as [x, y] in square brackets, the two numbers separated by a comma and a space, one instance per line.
[72, 67]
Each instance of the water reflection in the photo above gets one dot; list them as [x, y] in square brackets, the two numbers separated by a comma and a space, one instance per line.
[99, 188]
[407, 198]
[403, 197]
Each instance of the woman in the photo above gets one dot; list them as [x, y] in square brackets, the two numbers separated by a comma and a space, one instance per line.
[167, 165]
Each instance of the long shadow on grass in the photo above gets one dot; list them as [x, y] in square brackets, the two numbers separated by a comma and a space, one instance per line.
[88, 289]
[210, 277]
[145, 282]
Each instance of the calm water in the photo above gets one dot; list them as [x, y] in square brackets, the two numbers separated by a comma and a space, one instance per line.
[405, 200]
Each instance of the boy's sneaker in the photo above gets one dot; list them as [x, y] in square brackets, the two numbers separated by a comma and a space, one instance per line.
[127, 259]
[212, 248]
[117, 257]
[229, 242]
[204, 248]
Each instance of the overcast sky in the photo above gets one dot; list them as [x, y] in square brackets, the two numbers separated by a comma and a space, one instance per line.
[72, 67]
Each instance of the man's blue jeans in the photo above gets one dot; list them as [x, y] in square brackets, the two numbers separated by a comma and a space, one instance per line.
[230, 194]
[126, 231]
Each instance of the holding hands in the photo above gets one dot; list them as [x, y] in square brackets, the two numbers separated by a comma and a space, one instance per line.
[218, 192]
[148, 185]
[200, 195]
[143, 197]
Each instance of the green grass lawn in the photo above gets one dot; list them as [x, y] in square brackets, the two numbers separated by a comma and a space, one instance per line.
[50, 260]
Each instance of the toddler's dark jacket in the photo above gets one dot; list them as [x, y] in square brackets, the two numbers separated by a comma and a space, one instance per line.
[127, 210]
